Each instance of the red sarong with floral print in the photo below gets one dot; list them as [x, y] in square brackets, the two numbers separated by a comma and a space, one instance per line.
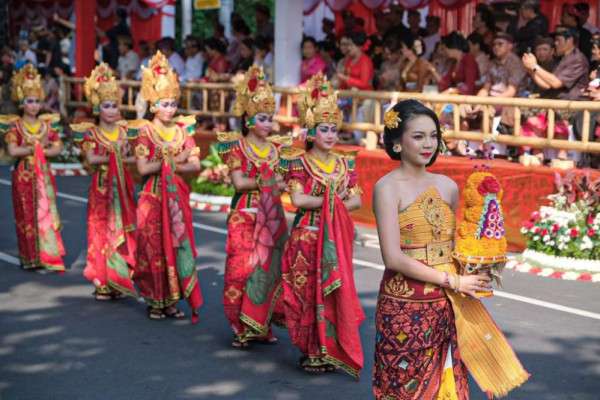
[34, 200]
[322, 310]
[256, 234]
[165, 271]
[110, 217]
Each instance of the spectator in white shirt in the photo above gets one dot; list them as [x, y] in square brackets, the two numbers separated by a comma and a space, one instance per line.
[263, 55]
[194, 62]
[129, 62]
[25, 54]
[432, 26]
[167, 46]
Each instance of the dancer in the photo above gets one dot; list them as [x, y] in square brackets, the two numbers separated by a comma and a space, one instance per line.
[256, 226]
[322, 310]
[30, 140]
[428, 325]
[165, 271]
[111, 205]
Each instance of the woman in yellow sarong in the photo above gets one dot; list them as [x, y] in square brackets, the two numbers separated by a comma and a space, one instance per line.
[428, 318]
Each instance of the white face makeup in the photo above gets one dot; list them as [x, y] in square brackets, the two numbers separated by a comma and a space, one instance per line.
[166, 109]
[263, 124]
[326, 136]
[109, 112]
[31, 106]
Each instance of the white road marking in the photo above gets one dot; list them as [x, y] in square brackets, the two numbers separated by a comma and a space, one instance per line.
[540, 303]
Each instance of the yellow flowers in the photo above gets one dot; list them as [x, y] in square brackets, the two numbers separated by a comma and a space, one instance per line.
[391, 119]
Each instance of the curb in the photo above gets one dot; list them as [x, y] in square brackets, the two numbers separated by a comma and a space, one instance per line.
[74, 169]
[551, 272]
[208, 207]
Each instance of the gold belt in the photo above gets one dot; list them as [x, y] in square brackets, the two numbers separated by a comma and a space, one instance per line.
[433, 253]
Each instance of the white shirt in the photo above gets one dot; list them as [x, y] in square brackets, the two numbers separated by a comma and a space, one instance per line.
[593, 29]
[177, 64]
[430, 43]
[193, 68]
[28, 55]
[127, 63]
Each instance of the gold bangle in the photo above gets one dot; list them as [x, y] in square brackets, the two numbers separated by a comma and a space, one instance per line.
[457, 290]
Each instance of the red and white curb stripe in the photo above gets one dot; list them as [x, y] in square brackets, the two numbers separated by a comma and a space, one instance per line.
[208, 207]
[551, 272]
[74, 169]
[210, 203]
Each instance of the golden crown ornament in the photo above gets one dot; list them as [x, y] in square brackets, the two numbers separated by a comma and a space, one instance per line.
[27, 82]
[101, 86]
[253, 94]
[159, 81]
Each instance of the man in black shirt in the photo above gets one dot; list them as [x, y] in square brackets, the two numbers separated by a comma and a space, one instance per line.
[536, 25]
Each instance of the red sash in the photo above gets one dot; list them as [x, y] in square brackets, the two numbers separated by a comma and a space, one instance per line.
[339, 313]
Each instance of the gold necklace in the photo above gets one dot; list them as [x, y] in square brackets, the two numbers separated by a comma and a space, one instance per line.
[32, 129]
[112, 136]
[325, 167]
[260, 153]
[168, 134]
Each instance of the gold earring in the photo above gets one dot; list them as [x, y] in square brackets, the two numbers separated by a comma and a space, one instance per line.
[397, 148]
[152, 109]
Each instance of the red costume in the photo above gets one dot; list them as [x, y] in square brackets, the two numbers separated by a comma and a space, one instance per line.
[34, 198]
[322, 310]
[256, 226]
[111, 206]
[165, 271]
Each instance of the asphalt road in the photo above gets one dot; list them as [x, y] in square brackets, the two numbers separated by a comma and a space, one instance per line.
[56, 342]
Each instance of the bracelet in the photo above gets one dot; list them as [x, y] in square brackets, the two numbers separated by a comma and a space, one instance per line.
[456, 289]
[446, 281]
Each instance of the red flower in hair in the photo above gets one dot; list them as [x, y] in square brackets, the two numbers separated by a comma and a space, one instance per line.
[159, 70]
[315, 93]
[252, 83]
[102, 78]
[29, 75]
[488, 185]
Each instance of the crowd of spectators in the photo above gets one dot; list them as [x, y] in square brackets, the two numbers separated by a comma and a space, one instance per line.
[509, 53]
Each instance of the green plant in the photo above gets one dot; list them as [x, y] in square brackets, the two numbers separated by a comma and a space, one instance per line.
[214, 178]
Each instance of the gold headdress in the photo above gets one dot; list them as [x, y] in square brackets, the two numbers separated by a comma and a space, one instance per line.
[101, 86]
[159, 81]
[253, 94]
[318, 104]
[27, 82]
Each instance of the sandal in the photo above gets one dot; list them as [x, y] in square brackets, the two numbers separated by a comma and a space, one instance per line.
[315, 366]
[156, 314]
[117, 296]
[238, 344]
[102, 296]
[173, 312]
